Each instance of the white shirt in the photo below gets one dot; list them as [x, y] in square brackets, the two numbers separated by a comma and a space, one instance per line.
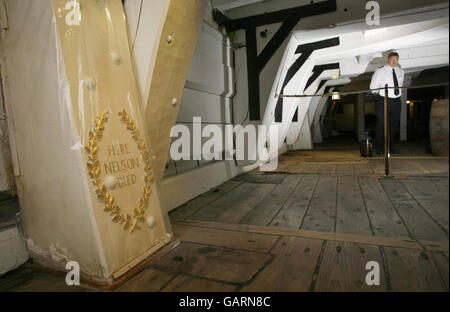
[382, 76]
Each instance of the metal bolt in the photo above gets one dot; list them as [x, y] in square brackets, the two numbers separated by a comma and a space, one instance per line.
[170, 38]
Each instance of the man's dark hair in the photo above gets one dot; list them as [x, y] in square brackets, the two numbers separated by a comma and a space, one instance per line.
[392, 54]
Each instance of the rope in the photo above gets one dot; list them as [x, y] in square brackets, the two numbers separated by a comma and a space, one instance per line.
[362, 91]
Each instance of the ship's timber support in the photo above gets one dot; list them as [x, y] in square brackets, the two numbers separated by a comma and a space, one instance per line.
[176, 48]
[255, 63]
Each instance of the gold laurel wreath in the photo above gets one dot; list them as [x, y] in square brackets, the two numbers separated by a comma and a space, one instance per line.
[94, 171]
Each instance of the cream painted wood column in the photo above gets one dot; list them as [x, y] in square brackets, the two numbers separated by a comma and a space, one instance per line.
[105, 102]
[85, 183]
[176, 48]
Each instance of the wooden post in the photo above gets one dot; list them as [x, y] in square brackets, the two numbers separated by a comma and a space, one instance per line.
[386, 132]
[183, 23]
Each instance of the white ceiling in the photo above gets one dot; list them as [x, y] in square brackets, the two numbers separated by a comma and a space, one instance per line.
[225, 5]
[346, 9]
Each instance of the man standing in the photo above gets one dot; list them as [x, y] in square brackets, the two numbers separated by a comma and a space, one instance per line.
[392, 75]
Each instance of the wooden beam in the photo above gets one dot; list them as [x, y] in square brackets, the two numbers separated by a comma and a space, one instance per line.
[224, 5]
[252, 73]
[275, 17]
[255, 62]
[277, 39]
[329, 236]
[176, 48]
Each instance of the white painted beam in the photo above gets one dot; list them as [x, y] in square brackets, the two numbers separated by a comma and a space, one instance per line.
[224, 5]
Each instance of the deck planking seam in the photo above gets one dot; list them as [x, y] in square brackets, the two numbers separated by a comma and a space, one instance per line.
[399, 199]
[322, 216]
[400, 216]
[214, 210]
[168, 282]
[177, 273]
[336, 204]
[276, 243]
[317, 268]
[403, 221]
[183, 281]
[292, 213]
[365, 207]
[184, 206]
[439, 185]
[190, 265]
[281, 206]
[276, 214]
[227, 214]
[251, 280]
[267, 252]
[309, 204]
[387, 275]
[434, 261]
[351, 215]
[384, 218]
[423, 208]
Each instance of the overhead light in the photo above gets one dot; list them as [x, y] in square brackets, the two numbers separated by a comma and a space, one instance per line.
[408, 102]
[335, 96]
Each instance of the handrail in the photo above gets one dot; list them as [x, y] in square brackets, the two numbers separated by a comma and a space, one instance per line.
[362, 91]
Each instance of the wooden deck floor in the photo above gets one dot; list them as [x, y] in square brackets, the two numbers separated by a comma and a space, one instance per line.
[343, 198]
[344, 213]
[218, 257]
[314, 230]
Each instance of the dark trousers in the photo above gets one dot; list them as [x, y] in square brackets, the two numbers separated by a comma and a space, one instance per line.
[394, 108]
